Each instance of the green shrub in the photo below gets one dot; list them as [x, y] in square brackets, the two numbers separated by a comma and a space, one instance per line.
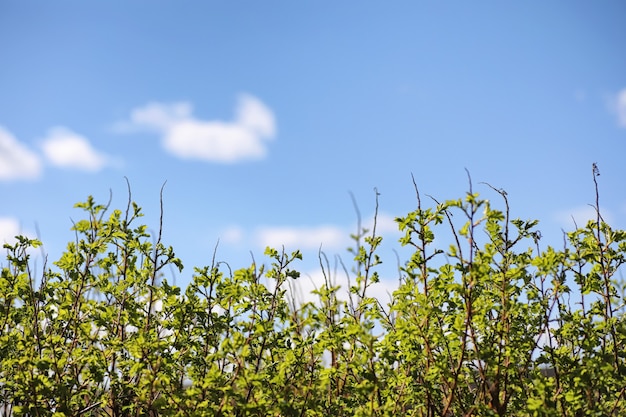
[490, 325]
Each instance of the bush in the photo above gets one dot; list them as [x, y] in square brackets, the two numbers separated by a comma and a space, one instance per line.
[491, 325]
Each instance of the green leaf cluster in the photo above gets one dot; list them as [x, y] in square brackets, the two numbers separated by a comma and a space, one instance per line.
[492, 324]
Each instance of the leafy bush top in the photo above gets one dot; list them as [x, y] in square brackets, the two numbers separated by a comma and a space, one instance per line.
[490, 325]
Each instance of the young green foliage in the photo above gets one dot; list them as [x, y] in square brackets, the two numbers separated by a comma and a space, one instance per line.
[488, 323]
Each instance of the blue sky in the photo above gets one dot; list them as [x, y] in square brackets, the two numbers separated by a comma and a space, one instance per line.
[263, 116]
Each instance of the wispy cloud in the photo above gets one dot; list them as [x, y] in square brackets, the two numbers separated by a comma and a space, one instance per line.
[185, 136]
[332, 239]
[580, 216]
[16, 160]
[233, 235]
[289, 237]
[9, 228]
[618, 105]
[67, 149]
[327, 236]
[302, 288]
[385, 225]
[621, 108]
[580, 95]
[302, 237]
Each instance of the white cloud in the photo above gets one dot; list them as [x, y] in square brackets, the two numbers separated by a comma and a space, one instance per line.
[620, 107]
[161, 116]
[187, 137]
[581, 215]
[232, 235]
[385, 225]
[330, 237]
[9, 228]
[301, 237]
[290, 237]
[213, 141]
[16, 160]
[67, 149]
[303, 287]
[255, 116]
